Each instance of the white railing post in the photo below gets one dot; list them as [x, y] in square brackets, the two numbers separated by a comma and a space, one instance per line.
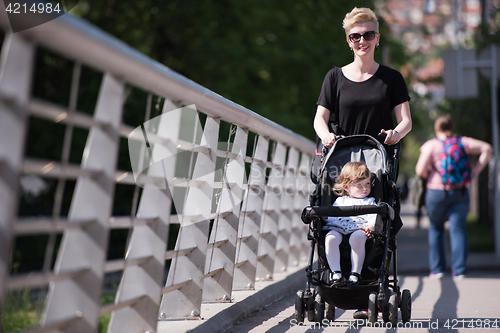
[299, 245]
[83, 251]
[286, 211]
[15, 84]
[149, 240]
[222, 246]
[251, 215]
[187, 273]
[271, 214]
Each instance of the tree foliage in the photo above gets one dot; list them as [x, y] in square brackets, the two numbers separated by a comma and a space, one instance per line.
[268, 56]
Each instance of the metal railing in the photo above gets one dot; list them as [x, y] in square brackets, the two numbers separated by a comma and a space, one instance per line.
[234, 228]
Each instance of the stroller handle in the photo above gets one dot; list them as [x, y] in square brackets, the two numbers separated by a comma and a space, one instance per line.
[397, 148]
[381, 137]
[310, 212]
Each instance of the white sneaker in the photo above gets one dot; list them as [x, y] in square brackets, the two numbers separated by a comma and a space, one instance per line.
[435, 276]
[458, 277]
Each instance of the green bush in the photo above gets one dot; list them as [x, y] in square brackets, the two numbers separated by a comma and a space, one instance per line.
[481, 238]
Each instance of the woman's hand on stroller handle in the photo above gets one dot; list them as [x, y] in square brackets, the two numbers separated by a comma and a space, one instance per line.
[328, 140]
[389, 137]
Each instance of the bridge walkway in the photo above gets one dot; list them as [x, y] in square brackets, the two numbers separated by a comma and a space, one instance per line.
[268, 312]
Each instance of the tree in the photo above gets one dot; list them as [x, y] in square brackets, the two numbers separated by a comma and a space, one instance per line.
[268, 56]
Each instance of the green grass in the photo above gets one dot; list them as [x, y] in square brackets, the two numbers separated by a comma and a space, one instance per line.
[21, 312]
[103, 323]
[481, 238]
[106, 298]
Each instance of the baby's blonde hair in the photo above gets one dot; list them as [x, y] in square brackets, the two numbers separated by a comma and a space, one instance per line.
[351, 172]
[359, 15]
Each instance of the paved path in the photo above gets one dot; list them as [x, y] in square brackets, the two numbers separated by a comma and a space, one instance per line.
[438, 306]
[435, 302]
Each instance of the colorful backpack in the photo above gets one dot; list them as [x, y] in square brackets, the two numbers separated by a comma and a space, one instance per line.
[455, 165]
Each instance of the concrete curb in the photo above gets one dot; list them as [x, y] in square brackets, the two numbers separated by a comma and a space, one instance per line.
[230, 316]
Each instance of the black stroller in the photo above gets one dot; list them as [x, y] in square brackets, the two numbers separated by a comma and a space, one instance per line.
[377, 292]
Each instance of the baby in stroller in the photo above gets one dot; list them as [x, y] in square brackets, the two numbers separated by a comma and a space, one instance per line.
[353, 186]
[358, 275]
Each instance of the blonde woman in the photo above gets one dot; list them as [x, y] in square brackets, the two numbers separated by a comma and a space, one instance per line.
[369, 92]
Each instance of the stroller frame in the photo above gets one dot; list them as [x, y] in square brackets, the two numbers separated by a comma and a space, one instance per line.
[383, 293]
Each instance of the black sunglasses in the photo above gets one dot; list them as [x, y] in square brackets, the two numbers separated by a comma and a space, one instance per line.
[368, 36]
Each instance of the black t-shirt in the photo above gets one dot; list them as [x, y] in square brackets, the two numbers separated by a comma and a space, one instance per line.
[365, 107]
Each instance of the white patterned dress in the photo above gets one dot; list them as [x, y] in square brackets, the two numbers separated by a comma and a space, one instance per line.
[348, 224]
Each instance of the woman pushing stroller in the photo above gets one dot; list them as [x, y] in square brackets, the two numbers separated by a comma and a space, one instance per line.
[353, 186]
[363, 94]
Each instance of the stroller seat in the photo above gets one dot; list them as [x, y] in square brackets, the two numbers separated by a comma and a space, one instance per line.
[372, 246]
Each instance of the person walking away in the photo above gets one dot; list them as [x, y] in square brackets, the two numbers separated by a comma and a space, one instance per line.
[369, 95]
[444, 162]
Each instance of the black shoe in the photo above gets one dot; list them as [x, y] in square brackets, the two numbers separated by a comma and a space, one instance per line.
[336, 282]
[360, 314]
[352, 283]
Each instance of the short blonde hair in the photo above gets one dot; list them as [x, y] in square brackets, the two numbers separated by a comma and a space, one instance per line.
[351, 172]
[359, 15]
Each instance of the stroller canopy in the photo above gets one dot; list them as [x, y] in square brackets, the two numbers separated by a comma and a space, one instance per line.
[355, 148]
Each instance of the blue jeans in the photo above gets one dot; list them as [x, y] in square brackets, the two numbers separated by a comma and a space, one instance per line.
[452, 206]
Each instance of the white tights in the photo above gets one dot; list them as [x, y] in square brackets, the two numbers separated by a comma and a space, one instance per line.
[357, 242]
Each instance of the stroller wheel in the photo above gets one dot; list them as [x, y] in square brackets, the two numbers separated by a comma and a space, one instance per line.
[330, 311]
[392, 310]
[319, 308]
[406, 306]
[309, 300]
[299, 307]
[372, 308]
